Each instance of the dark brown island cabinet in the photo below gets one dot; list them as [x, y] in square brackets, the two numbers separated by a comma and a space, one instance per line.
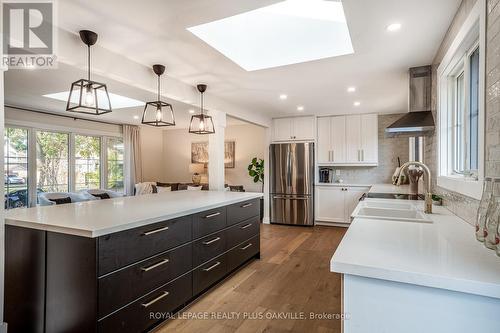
[128, 281]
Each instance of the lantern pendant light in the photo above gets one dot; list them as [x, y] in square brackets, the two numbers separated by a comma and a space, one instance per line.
[87, 96]
[201, 123]
[158, 113]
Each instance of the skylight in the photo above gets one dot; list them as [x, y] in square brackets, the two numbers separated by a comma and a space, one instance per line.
[117, 101]
[288, 32]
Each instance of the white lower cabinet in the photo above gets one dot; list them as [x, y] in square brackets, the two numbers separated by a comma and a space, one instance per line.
[329, 204]
[335, 204]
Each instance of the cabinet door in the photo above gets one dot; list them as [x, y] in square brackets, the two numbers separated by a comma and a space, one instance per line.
[338, 137]
[351, 199]
[303, 128]
[353, 138]
[282, 129]
[369, 138]
[330, 204]
[324, 140]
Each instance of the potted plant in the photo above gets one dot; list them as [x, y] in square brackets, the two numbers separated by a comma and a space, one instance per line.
[256, 171]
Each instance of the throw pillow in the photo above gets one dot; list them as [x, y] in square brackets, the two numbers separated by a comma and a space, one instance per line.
[60, 201]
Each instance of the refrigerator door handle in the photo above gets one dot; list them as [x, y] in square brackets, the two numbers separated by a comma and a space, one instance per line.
[288, 169]
[289, 198]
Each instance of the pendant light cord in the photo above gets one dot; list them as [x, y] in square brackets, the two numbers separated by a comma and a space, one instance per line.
[159, 87]
[202, 104]
[88, 61]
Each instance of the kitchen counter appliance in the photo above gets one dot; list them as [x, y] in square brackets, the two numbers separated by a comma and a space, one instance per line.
[292, 183]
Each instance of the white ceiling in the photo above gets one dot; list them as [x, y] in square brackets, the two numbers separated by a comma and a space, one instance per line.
[155, 32]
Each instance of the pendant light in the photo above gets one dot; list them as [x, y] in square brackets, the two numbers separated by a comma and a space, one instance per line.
[201, 123]
[158, 113]
[87, 96]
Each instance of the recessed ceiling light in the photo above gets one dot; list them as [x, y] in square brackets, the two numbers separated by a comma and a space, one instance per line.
[318, 27]
[300, 108]
[283, 97]
[357, 103]
[191, 111]
[393, 27]
[136, 117]
[117, 101]
[351, 89]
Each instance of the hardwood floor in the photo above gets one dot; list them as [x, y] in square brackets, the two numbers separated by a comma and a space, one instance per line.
[292, 277]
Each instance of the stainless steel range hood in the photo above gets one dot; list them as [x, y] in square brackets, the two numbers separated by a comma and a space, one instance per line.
[419, 120]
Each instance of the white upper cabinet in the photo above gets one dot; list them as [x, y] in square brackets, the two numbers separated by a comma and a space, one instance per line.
[369, 138]
[338, 137]
[348, 140]
[282, 129]
[324, 148]
[353, 138]
[294, 129]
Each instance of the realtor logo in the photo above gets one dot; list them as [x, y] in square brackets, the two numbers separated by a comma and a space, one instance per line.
[28, 39]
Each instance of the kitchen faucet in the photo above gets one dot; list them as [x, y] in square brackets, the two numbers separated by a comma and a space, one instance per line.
[427, 176]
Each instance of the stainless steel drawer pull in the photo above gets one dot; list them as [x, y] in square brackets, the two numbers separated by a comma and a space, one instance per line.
[147, 233]
[246, 246]
[163, 295]
[246, 205]
[211, 241]
[246, 226]
[212, 215]
[212, 267]
[153, 266]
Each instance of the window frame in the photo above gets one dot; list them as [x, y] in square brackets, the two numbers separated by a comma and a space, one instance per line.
[470, 37]
[32, 129]
[28, 184]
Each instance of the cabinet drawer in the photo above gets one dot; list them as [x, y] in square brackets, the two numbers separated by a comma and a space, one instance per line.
[136, 316]
[127, 247]
[242, 211]
[243, 252]
[209, 221]
[209, 273]
[242, 231]
[123, 286]
[208, 247]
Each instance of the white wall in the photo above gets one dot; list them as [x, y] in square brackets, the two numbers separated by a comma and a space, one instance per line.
[152, 153]
[249, 142]
[177, 155]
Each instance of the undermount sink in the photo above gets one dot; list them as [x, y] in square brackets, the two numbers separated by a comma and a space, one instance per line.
[388, 205]
[404, 212]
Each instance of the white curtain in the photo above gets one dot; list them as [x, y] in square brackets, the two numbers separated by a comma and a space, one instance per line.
[132, 164]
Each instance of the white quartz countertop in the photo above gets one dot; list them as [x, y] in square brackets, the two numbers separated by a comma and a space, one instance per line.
[443, 254]
[343, 184]
[374, 188]
[102, 217]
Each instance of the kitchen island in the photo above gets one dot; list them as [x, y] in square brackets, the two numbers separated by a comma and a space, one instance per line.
[123, 264]
[404, 276]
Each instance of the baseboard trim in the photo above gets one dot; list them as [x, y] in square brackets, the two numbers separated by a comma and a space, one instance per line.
[332, 224]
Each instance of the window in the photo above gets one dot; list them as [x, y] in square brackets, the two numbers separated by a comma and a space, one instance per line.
[87, 162]
[52, 174]
[458, 125]
[460, 107]
[465, 116]
[115, 164]
[473, 114]
[58, 162]
[16, 167]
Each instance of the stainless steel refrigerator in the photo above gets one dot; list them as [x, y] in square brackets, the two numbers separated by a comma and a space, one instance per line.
[291, 176]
